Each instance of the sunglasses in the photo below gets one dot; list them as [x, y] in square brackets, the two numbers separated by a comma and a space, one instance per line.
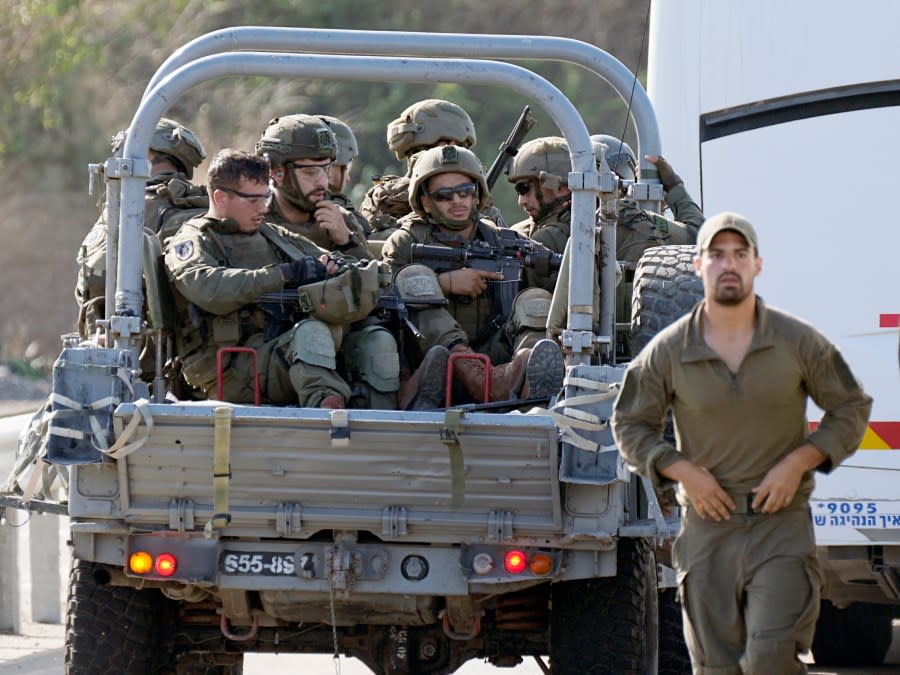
[251, 198]
[523, 188]
[462, 191]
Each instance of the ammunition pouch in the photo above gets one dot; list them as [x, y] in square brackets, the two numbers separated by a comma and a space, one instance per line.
[345, 298]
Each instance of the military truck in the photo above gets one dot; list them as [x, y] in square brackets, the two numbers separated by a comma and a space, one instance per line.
[202, 530]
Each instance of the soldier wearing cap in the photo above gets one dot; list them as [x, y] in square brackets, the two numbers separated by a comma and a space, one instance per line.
[737, 375]
[447, 190]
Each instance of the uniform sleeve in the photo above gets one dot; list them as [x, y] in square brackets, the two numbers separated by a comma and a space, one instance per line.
[685, 209]
[199, 277]
[360, 250]
[639, 415]
[836, 391]
[397, 250]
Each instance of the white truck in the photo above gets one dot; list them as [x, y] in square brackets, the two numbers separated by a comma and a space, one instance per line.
[411, 540]
[788, 112]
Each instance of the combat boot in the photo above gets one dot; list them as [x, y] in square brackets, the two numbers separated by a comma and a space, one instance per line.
[332, 402]
[426, 387]
[470, 373]
[544, 371]
[506, 380]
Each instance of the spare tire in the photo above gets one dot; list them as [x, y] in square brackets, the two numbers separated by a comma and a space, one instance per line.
[666, 287]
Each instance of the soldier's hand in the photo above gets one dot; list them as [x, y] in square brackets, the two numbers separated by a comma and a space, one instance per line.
[778, 487]
[467, 281]
[707, 496]
[667, 175]
[331, 219]
[307, 270]
[333, 264]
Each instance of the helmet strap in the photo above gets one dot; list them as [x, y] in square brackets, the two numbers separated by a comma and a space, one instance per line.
[290, 190]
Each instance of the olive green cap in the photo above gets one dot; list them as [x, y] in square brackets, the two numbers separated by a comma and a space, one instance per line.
[726, 221]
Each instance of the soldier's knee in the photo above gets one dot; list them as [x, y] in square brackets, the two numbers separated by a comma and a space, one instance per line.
[530, 312]
[311, 342]
[370, 355]
[765, 655]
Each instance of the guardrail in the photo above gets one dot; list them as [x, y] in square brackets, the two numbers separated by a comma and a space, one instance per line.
[34, 559]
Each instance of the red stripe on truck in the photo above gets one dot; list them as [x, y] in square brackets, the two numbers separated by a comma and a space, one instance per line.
[889, 321]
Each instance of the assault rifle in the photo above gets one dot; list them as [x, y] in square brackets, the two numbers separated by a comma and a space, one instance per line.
[284, 310]
[508, 258]
[510, 147]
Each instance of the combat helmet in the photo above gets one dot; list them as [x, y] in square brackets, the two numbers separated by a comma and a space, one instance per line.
[543, 159]
[446, 159]
[295, 137]
[347, 147]
[173, 140]
[426, 123]
[619, 155]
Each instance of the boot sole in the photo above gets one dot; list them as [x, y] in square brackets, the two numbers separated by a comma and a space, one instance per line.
[433, 380]
[545, 370]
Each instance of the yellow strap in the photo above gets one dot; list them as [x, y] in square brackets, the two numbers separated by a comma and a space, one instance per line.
[450, 436]
[221, 470]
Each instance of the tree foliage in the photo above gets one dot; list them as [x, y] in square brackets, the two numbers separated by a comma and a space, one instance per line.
[75, 70]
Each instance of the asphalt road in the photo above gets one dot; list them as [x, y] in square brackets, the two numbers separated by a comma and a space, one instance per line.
[40, 652]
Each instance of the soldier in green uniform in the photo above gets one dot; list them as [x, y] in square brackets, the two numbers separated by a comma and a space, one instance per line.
[301, 150]
[170, 200]
[446, 193]
[341, 170]
[221, 263]
[737, 375]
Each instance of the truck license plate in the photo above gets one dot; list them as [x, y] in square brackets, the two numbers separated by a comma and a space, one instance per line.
[266, 564]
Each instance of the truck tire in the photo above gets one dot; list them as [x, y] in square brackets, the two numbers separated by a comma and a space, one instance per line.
[859, 635]
[114, 629]
[666, 287]
[608, 626]
[674, 658]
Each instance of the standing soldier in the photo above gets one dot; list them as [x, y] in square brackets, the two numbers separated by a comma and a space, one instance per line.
[221, 263]
[446, 193]
[737, 376]
[170, 199]
[301, 150]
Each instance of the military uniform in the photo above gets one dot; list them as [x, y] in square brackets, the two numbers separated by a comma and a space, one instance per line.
[477, 317]
[170, 200]
[218, 274]
[355, 248]
[749, 585]
[637, 229]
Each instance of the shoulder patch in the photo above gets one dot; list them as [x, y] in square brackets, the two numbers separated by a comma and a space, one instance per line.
[184, 250]
[661, 223]
[94, 235]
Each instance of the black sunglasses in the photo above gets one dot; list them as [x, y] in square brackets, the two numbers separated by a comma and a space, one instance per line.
[462, 191]
[523, 188]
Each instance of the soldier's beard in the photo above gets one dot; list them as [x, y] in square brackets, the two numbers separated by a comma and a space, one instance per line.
[549, 208]
[291, 191]
[451, 223]
[730, 296]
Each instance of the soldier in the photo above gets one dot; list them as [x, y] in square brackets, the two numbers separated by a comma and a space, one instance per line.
[737, 375]
[221, 263]
[347, 151]
[447, 190]
[301, 150]
[170, 200]
[636, 229]
[423, 125]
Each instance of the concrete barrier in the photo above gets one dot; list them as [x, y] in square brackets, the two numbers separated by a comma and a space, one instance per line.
[33, 558]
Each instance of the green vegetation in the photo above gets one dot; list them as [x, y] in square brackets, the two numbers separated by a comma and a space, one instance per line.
[74, 70]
